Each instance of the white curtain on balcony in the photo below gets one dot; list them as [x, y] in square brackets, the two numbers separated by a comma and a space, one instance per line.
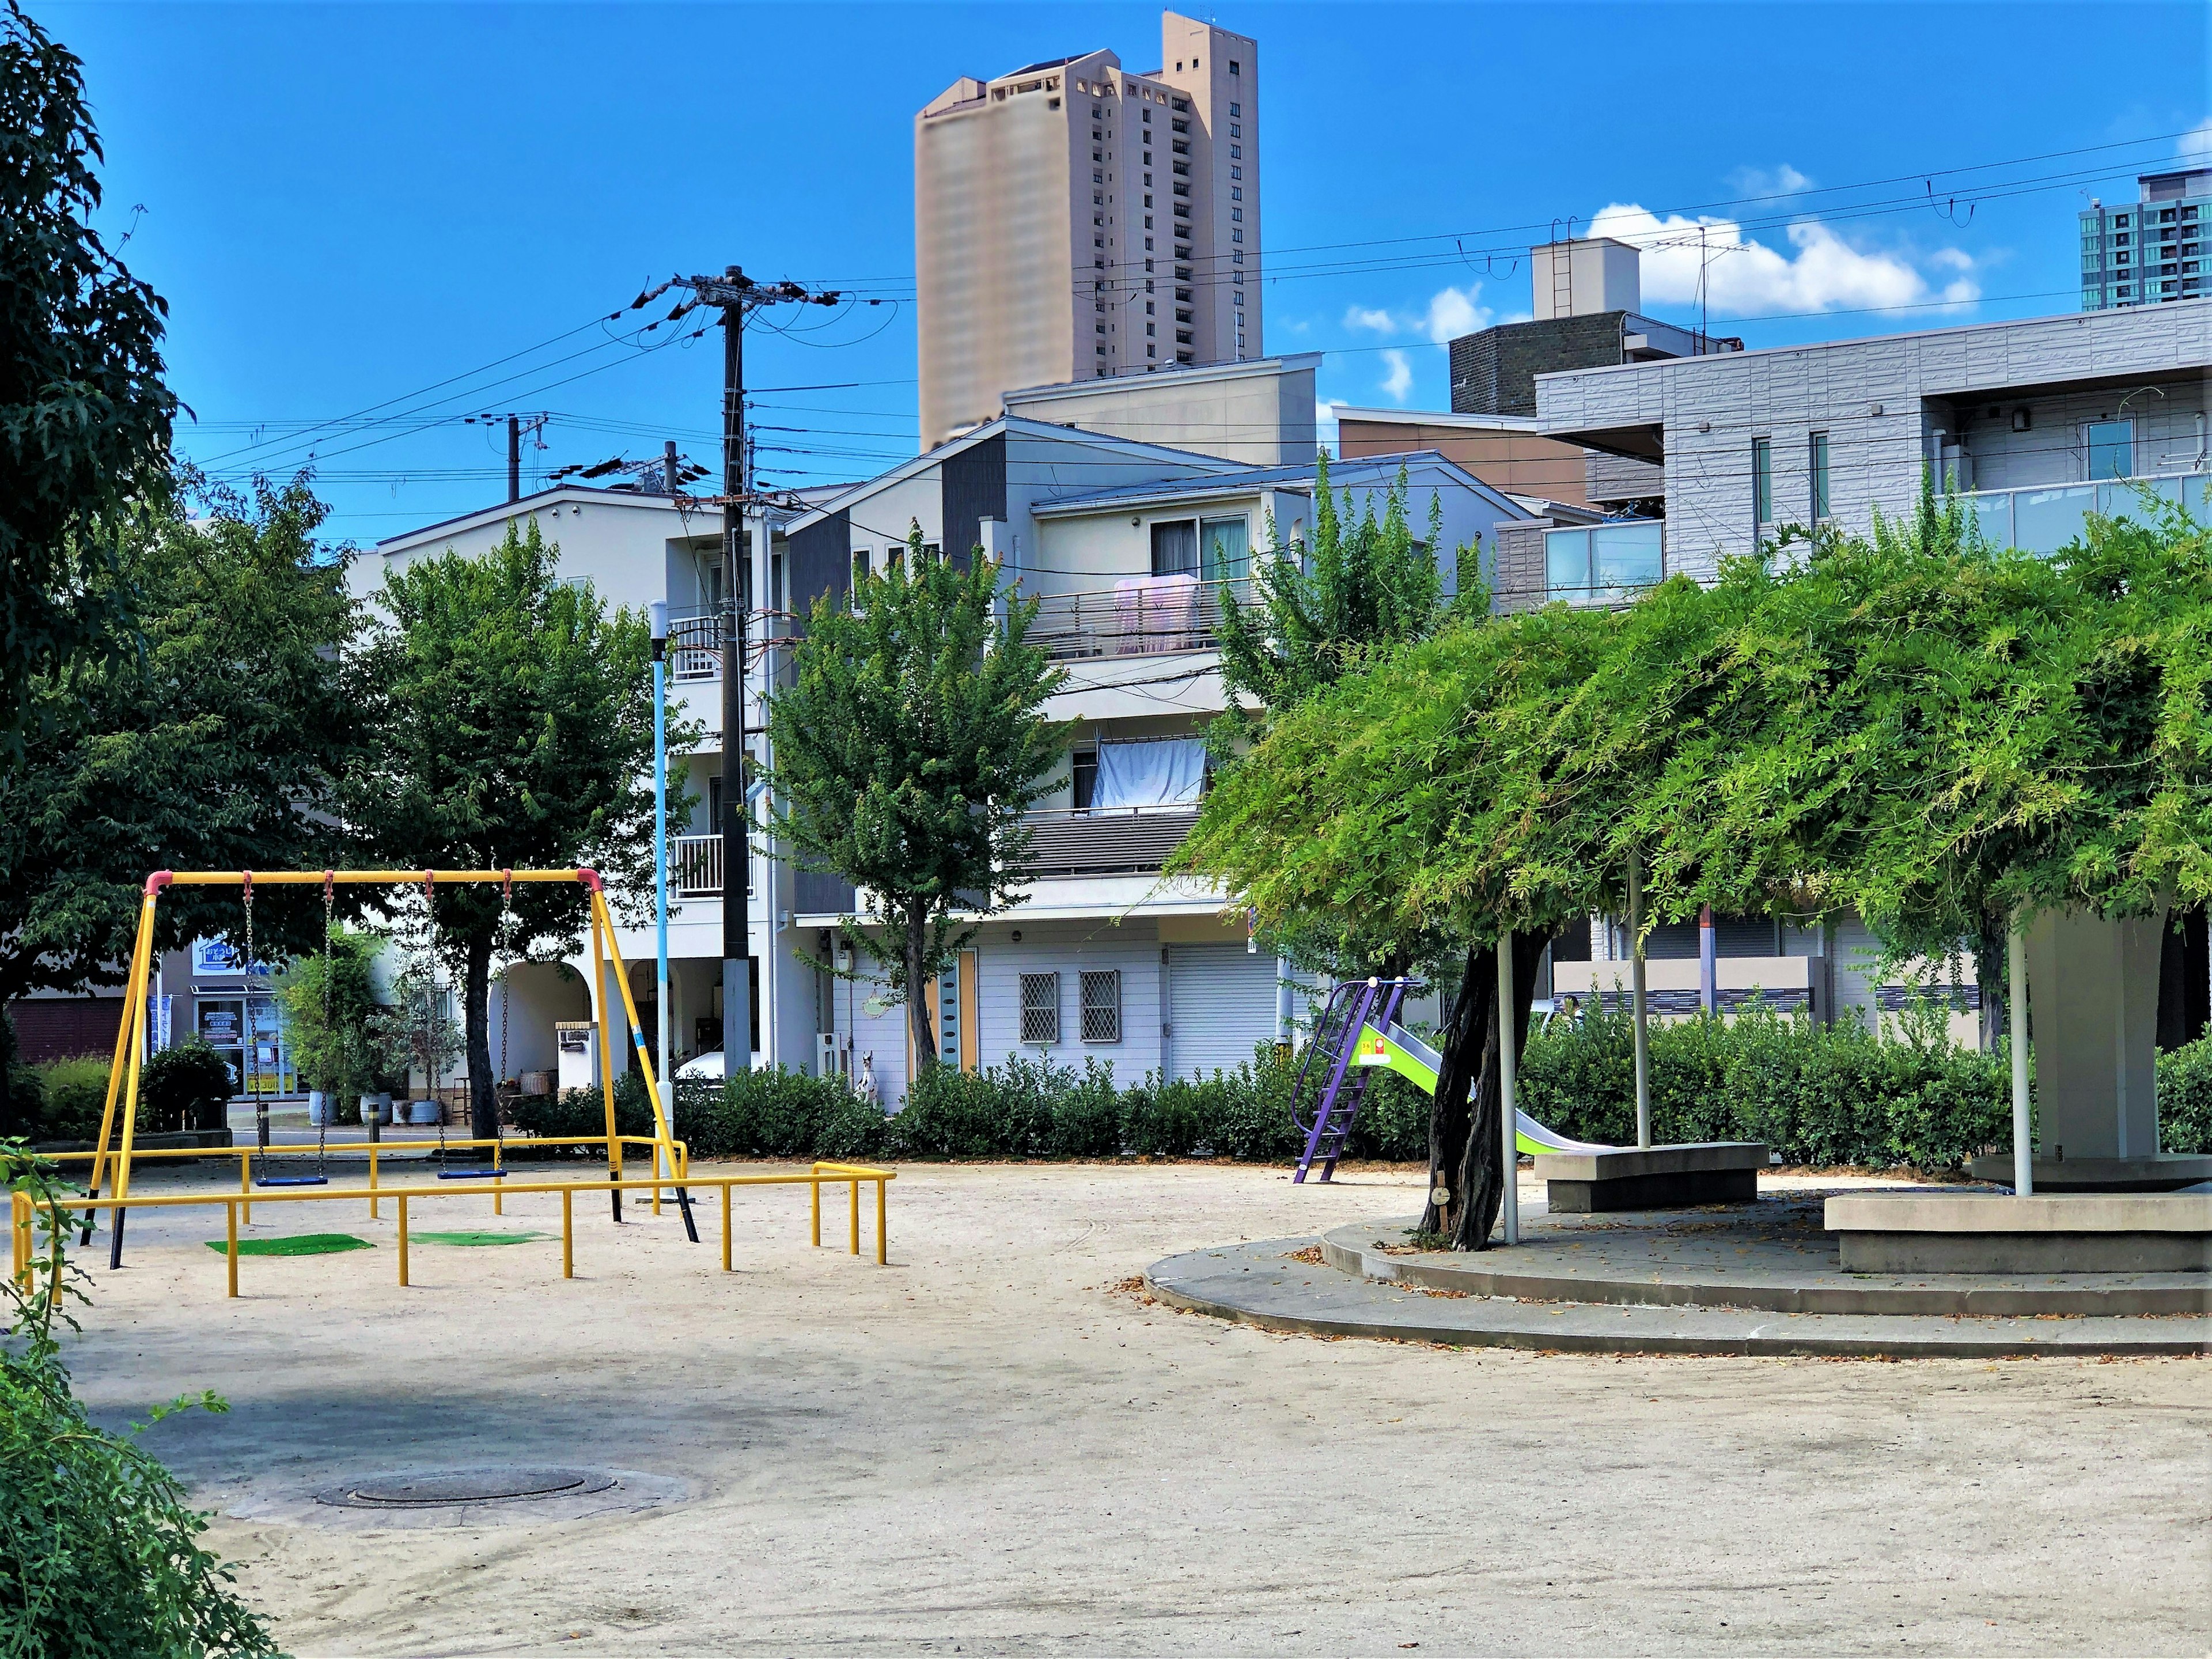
[1162, 772]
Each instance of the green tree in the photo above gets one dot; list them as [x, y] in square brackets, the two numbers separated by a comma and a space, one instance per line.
[508, 719]
[216, 746]
[906, 753]
[341, 1038]
[1364, 590]
[84, 415]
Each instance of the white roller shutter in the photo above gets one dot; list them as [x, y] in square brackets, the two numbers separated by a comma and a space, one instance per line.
[1221, 1002]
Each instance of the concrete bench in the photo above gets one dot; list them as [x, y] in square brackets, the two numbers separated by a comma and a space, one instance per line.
[1652, 1177]
[1956, 1232]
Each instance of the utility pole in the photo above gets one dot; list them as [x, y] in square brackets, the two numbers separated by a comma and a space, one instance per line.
[517, 424]
[734, 295]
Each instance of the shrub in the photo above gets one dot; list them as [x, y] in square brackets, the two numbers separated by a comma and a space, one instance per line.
[75, 1095]
[775, 1113]
[949, 1113]
[1818, 1094]
[186, 1087]
[2185, 1098]
[582, 1112]
[102, 1551]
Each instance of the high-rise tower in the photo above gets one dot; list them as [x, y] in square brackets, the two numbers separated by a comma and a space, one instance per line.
[1074, 220]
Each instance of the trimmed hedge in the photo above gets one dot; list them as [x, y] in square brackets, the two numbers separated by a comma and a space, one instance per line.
[1817, 1096]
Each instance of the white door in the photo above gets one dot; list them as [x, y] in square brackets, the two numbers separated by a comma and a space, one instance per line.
[1221, 1004]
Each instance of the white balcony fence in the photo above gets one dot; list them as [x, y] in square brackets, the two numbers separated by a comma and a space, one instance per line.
[695, 647]
[695, 866]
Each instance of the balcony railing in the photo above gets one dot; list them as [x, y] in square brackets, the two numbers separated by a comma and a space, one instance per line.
[1596, 564]
[1125, 841]
[695, 866]
[695, 647]
[2045, 518]
[1139, 617]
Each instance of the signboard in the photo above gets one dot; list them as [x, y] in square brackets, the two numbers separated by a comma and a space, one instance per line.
[220, 956]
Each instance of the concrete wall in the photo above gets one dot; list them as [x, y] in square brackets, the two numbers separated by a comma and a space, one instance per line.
[1259, 413]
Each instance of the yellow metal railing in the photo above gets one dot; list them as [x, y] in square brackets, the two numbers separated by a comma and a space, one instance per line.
[843, 1175]
[375, 1191]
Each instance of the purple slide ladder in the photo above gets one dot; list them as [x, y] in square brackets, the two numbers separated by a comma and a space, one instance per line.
[1373, 1002]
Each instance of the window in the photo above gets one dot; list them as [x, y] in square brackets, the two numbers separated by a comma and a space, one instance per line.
[859, 566]
[1040, 1008]
[1237, 109]
[1083, 777]
[1102, 1006]
[1237, 69]
[2112, 449]
[1818, 460]
[1175, 548]
[1762, 481]
[1224, 547]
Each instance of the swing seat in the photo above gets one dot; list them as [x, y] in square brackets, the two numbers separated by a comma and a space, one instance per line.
[291, 1180]
[474, 1174]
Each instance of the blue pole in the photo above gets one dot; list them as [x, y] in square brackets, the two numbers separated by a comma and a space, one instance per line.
[660, 847]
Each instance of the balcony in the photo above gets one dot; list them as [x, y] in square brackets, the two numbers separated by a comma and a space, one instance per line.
[695, 866]
[694, 646]
[1142, 616]
[1127, 841]
[2047, 517]
[1604, 563]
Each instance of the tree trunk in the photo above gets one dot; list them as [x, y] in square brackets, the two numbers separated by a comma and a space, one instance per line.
[1466, 1152]
[476, 1014]
[917, 997]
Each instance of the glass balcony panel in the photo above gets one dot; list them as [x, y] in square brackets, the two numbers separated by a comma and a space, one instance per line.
[1566, 563]
[1992, 513]
[1627, 556]
[2044, 520]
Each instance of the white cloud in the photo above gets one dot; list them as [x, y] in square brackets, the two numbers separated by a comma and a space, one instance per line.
[1748, 278]
[1399, 381]
[1782, 180]
[1451, 311]
[2196, 145]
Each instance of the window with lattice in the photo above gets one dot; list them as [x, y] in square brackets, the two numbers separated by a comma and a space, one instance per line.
[1102, 1006]
[1040, 1008]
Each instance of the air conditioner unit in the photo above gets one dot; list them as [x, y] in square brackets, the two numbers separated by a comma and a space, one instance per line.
[576, 1043]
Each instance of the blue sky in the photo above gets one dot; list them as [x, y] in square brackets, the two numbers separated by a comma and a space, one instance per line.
[348, 205]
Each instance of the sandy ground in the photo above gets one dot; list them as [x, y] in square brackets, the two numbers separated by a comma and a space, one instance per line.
[995, 1445]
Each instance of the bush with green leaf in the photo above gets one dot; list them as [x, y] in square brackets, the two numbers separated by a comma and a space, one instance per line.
[99, 1549]
[186, 1087]
[74, 1093]
[1817, 1094]
[2185, 1098]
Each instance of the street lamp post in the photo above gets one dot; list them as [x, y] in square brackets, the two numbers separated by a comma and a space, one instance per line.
[660, 846]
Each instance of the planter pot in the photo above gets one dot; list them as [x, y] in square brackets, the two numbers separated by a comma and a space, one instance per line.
[322, 1108]
[376, 1109]
[424, 1111]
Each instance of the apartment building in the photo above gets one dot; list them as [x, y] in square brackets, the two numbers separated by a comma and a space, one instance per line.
[2151, 250]
[1584, 297]
[2038, 424]
[1120, 214]
[1130, 549]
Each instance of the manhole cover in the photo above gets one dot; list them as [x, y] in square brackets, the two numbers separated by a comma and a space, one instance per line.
[411, 1489]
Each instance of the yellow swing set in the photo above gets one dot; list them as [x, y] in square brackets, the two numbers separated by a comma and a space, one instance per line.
[130, 1036]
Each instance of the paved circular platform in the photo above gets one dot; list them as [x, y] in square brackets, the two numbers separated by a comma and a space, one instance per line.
[1750, 1279]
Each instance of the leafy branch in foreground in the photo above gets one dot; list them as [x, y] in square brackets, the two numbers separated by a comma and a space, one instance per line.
[98, 1548]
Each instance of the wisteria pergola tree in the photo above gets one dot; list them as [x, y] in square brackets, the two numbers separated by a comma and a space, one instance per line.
[1944, 736]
